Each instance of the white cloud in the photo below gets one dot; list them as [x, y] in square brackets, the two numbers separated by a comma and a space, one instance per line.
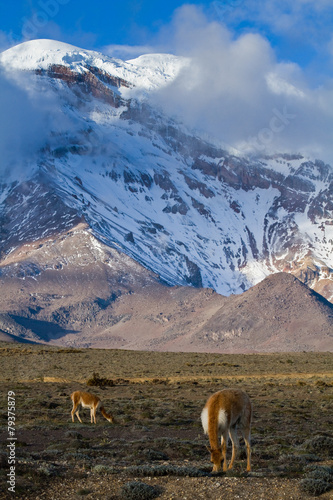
[26, 121]
[127, 52]
[279, 80]
[20, 124]
[235, 89]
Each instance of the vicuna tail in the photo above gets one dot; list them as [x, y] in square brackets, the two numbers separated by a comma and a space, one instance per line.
[108, 416]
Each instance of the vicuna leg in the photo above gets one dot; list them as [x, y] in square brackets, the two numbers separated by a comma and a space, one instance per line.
[224, 444]
[246, 436]
[93, 414]
[73, 410]
[235, 445]
[78, 416]
[75, 406]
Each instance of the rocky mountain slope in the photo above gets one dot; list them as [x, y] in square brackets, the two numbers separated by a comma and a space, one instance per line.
[163, 203]
[76, 291]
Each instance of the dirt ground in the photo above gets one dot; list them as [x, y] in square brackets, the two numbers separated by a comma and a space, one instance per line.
[156, 448]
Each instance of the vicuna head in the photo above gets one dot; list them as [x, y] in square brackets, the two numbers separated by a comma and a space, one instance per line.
[216, 458]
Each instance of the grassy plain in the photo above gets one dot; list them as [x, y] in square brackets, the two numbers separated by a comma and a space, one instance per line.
[156, 448]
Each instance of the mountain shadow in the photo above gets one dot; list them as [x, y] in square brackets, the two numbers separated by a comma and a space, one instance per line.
[45, 330]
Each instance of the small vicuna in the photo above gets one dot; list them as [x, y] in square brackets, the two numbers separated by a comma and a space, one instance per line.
[87, 400]
[224, 413]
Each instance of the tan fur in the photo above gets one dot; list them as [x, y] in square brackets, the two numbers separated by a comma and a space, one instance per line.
[87, 400]
[224, 412]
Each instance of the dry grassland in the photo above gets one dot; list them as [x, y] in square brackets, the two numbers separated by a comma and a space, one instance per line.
[156, 448]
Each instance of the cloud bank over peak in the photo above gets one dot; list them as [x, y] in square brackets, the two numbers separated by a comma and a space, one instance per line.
[28, 120]
[238, 87]
[237, 91]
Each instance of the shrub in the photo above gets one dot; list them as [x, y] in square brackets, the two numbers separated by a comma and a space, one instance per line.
[322, 445]
[314, 487]
[96, 380]
[165, 470]
[319, 480]
[155, 455]
[73, 434]
[136, 490]
[47, 470]
[322, 383]
[106, 469]
[321, 472]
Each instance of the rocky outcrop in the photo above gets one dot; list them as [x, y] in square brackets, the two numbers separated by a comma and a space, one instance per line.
[92, 82]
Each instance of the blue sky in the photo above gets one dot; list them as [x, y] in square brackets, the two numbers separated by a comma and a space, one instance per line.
[300, 31]
[258, 58]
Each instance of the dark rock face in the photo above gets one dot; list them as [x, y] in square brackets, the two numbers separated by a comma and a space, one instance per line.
[33, 209]
[92, 82]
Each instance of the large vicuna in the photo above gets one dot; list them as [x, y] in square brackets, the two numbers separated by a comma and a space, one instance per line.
[224, 413]
[87, 400]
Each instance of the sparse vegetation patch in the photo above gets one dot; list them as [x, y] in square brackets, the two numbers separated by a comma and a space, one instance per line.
[318, 480]
[156, 399]
[136, 490]
[165, 470]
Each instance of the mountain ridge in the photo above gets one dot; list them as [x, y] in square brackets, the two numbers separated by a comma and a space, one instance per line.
[189, 210]
[75, 291]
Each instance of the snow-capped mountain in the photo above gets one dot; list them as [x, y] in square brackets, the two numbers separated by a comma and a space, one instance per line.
[181, 206]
